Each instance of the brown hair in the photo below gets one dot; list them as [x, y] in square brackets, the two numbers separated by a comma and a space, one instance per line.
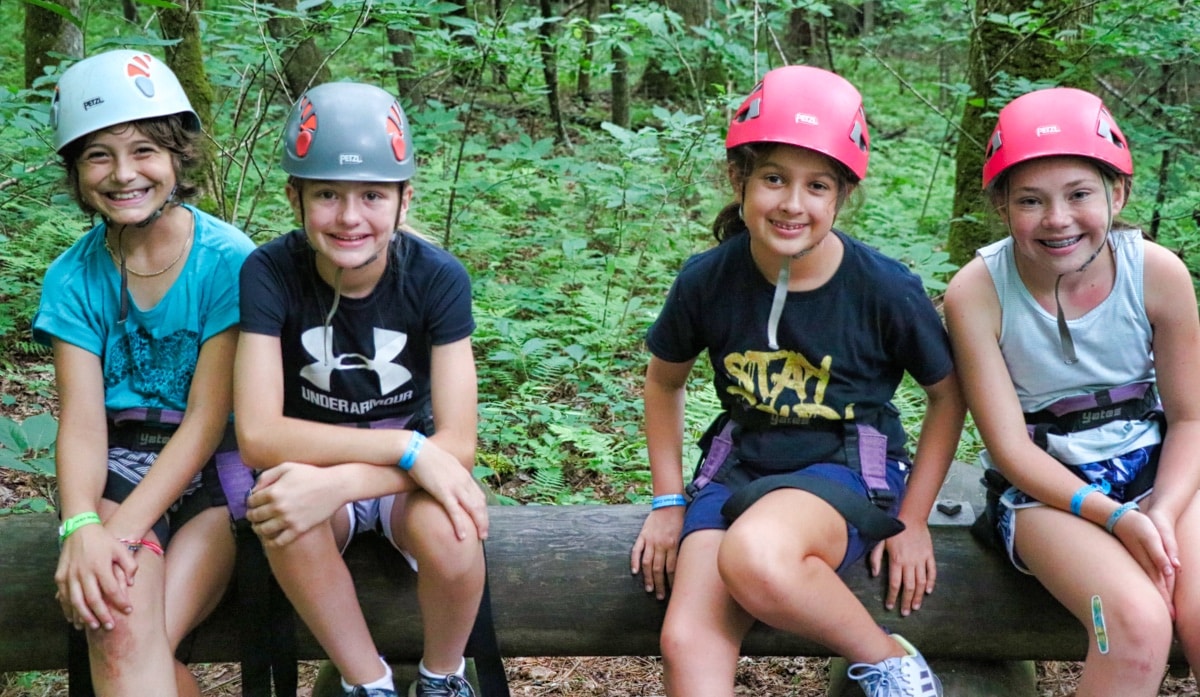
[167, 132]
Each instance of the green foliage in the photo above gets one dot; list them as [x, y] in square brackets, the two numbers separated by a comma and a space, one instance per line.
[28, 447]
[572, 248]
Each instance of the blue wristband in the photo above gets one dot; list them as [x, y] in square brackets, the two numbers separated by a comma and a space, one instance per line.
[667, 501]
[1116, 515]
[410, 453]
[1080, 495]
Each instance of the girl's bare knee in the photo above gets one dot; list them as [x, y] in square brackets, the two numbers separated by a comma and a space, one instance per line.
[114, 650]
[754, 574]
[1131, 633]
[681, 641]
[426, 523]
[739, 556]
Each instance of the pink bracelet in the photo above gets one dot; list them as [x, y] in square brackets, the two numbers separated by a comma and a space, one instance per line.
[135, 545]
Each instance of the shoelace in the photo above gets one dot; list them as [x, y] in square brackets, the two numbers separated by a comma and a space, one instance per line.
[881, 683]
[452, 686]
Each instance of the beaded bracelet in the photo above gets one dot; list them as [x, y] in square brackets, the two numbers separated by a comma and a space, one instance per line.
[667, 501]
[1116, 515]
[410, 453]
[70, 525]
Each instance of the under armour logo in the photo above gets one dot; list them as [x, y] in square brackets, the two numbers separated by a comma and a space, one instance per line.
[388, 344]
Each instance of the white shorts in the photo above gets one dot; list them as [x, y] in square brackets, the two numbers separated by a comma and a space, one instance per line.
[375, 515]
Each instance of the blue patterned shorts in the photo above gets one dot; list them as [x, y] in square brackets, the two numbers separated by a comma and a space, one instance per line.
[1118, 471]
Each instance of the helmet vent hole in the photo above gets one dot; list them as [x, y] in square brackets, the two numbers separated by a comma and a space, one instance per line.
[857, 135]
[1104, 129]
[993, 145]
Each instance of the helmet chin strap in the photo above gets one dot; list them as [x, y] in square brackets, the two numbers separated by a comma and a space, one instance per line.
[1064, 332]
[781, 287]
[781, 291]
[123, 313]
[169, 200]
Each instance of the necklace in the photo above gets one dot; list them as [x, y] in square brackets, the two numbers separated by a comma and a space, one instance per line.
[120, 258]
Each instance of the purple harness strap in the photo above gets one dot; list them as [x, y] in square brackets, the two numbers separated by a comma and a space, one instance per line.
[872, 457]
[235, 477]
[718, 452]
[1081, 412]
[393, 422]
[865, 443]
[147, 415]
[1104, 398]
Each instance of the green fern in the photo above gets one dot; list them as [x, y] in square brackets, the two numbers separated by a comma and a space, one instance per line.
[547, 485]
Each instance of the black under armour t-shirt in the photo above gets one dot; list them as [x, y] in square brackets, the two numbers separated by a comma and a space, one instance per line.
[373, 360]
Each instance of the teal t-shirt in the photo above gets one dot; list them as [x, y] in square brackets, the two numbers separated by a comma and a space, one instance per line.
[150, 358]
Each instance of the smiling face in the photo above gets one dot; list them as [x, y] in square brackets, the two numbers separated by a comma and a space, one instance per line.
[789, 201]
[349, 224]
[1059, 210]
[124, 175]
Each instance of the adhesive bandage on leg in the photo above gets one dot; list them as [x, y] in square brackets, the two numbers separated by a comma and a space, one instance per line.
[1098, 624]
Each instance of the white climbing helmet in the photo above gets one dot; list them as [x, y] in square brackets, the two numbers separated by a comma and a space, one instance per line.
[112, 88]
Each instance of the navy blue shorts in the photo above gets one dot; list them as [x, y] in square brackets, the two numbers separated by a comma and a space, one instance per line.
[704, 512]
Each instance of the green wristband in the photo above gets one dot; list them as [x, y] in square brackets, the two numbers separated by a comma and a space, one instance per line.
[70, 525]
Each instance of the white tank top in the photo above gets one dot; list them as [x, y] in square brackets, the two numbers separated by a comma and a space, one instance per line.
[1112, 341]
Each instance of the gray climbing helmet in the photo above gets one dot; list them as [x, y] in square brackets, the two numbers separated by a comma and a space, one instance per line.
[348, 131]
[112, 88]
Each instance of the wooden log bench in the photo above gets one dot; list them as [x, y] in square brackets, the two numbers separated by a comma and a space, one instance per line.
[561, 586]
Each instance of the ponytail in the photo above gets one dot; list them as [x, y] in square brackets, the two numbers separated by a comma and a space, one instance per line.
[728, 223]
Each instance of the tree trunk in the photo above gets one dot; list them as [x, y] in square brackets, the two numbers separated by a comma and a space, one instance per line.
[129, 10]
[303, 64]
[47, 32]
[1167, 97]
[995, 50]
[500, 68]
[619, 81]
[550, 72]
[583, 77]
[560, 586]
[186, 59]
[407, 85]
[801, 37]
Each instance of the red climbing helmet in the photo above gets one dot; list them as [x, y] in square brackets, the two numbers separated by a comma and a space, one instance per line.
[807, 107]
[1051, 122]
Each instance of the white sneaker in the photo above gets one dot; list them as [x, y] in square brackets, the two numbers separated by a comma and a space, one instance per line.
[906, 676]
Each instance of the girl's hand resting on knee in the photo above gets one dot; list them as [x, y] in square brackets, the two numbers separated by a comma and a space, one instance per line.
[912, 570]
[1143, 535]
[94, 572]
[290, 499]
[655, 550]
[450, 484]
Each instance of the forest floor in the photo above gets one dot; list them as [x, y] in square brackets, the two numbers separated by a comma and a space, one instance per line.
[528, 677]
